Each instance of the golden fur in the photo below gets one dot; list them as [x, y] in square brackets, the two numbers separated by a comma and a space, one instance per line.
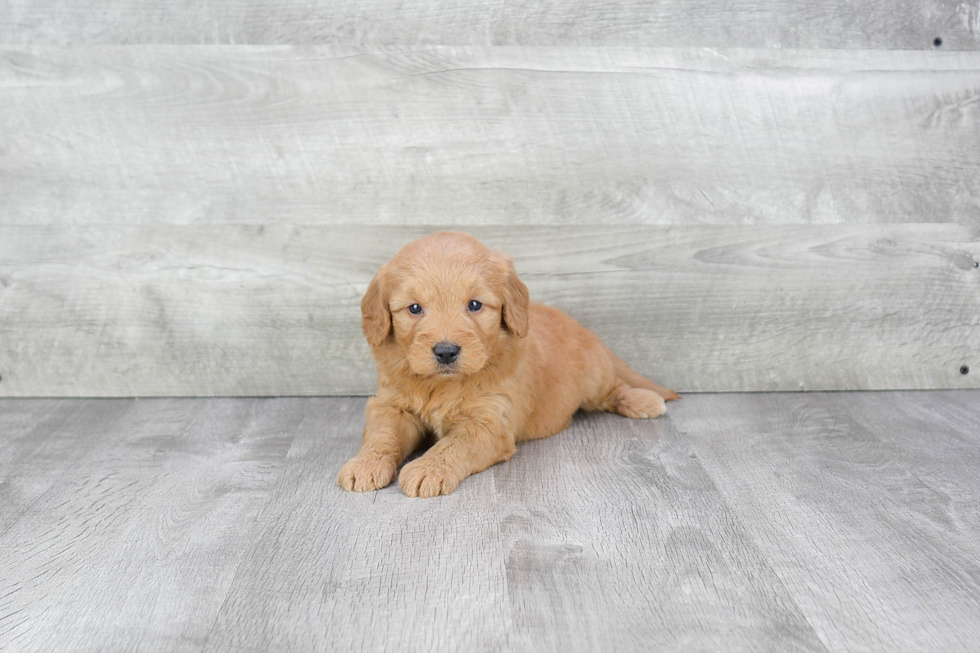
[523, 369]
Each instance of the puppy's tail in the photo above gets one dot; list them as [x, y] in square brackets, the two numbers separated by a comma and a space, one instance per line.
[631, 377]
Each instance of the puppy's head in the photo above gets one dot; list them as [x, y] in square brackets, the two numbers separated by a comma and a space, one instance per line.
[446, 302]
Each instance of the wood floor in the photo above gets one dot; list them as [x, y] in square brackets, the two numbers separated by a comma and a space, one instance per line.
[753, 522]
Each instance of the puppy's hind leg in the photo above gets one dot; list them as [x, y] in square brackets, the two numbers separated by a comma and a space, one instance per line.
[638, 403]
[634, 395]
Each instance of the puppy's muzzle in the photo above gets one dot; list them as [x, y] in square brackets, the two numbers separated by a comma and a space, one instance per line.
[446, 352]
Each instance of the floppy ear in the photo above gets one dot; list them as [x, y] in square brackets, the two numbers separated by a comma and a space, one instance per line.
[375, 315]
[515, 298]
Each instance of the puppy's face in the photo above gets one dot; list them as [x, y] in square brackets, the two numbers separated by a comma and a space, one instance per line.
[445, 301]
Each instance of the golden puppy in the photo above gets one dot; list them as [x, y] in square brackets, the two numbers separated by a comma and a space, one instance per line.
[463, 355]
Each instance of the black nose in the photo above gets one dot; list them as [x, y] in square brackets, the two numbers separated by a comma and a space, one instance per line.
[446, 352]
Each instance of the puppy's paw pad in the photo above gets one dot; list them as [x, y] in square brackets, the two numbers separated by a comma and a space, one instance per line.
[367, 472]
[640, 403]
[426, 479]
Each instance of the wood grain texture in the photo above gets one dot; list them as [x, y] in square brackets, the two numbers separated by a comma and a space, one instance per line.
[241, 310]
[133, 546]
[40, 441]
[946, 457]
[471, 135]
[781, 522]
[618, 541]
[745, 23]
[861, 528]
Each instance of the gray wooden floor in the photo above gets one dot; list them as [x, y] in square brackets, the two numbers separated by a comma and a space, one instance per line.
[750, 522]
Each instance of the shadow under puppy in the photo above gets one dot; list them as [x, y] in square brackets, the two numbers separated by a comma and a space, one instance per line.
[465, 356]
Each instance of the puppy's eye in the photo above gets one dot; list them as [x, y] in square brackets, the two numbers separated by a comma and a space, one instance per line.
[474, 306]
[414, 309]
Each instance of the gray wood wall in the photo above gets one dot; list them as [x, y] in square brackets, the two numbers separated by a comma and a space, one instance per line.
[755, 196]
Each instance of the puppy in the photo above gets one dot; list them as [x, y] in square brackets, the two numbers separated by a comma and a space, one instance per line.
[464, 356]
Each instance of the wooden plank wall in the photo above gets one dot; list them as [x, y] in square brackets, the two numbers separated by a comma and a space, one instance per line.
[883, 24]
[192, 203]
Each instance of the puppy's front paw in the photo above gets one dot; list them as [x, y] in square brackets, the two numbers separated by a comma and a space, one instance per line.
[366, 472]
[427, 478]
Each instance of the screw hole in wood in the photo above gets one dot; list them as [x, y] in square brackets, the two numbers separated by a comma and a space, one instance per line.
[964, 369]
[938, 41]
